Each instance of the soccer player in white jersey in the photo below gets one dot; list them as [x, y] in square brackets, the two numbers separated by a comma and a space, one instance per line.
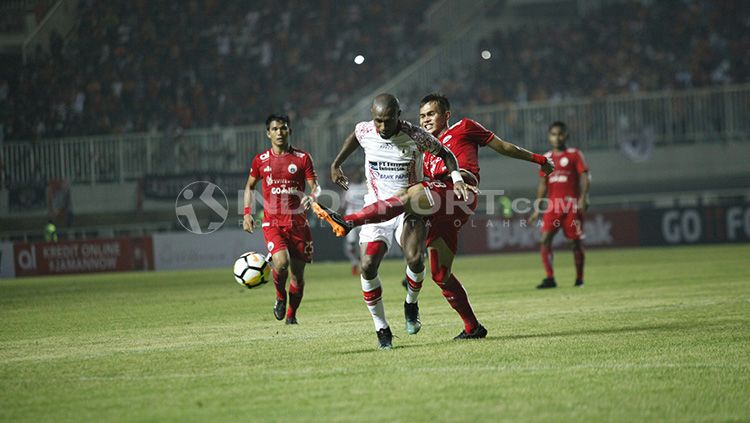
[393, 162]
[354, 199]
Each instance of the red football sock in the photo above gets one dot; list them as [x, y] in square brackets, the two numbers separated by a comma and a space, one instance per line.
[456, 295]
[579, 256]
[547, 261]
[296, 290]
[379, 211]
[279, 281]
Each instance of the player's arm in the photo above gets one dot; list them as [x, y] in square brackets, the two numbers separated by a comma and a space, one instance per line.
[427, 142]
[248, 224]
[583, 201]
[337, 174]
[511, 150]
[541, 192]
[312, 183]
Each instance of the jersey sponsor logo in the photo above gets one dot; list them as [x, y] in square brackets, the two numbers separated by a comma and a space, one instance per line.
[387, 146]
[269, 179]
[389, 166]
[283, 190]
[267, 169]
[292, 168]
[558, 178]
[564, 161]
[264, 156]
[299, 154]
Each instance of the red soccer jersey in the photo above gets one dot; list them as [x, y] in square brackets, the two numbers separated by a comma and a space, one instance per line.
[283, 177]
[564, 181]
[463, 138]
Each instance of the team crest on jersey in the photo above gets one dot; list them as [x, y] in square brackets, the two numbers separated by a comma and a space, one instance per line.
[270, 246]
[292, 168]
[564, 162]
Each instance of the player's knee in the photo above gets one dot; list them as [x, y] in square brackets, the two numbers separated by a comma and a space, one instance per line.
[546, 239]
[369, 267]
[414, 259]
[439, 273]
[280, 263]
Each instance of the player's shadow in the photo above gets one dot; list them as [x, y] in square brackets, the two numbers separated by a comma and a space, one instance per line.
[595, 331]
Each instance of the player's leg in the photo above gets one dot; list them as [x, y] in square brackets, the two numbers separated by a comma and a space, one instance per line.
[412, 235]
[417, 199]
[441, 256]
[351, 249]
[296, 289]
[573, 230]
[550, 225]
[372, 290]
[277, 247]
[280, 271]
[299, 240]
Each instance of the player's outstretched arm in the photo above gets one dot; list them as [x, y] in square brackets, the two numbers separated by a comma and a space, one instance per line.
[248, 224]
[511, 150]
[337, 174]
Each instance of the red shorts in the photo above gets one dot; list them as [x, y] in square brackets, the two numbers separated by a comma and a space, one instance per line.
[451, 213]
[571, 222]
[296, 239]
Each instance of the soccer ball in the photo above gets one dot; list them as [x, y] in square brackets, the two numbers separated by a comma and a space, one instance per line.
[251, 270]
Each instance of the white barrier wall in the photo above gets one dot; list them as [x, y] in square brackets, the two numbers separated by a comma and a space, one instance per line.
[186, 250]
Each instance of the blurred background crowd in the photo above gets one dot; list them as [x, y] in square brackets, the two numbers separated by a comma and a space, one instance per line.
[224, 62]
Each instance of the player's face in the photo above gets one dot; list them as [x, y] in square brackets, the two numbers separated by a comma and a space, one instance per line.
[433, 118]
[557, 137]
[386, 121]
[278, 132]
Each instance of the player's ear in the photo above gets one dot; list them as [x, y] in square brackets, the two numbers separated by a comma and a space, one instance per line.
[447, 115]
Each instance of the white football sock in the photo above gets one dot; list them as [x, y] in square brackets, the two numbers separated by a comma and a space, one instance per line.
[417, 278]
[373, 298]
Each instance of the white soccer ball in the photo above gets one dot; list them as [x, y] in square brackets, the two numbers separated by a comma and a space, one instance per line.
[251, 270]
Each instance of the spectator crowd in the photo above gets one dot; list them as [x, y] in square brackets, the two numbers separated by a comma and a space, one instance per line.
[141, 65]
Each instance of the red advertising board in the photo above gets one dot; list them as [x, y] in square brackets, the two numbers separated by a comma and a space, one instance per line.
[488, 234]
[83, 256]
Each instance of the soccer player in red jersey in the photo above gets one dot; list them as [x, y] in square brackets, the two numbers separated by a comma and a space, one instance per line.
[567, 191]
[284, 171]
[436, 199]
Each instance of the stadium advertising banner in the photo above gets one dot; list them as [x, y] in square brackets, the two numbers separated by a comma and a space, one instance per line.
[83, 256]
[695, 225]
[185, 250]
[483, 234]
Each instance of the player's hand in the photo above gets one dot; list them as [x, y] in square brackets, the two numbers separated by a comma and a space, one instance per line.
[248, 223]
[534, 218]
[462, 190]
[548, 166]
[306, 202]
[583, 204]
[338, 178]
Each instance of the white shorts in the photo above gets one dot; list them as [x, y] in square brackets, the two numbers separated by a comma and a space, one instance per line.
[383, 231]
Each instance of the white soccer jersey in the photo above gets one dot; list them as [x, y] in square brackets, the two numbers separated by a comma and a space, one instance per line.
[354, 199]
[394, 164]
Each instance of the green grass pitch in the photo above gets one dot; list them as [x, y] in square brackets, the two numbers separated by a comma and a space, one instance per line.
[657, 334]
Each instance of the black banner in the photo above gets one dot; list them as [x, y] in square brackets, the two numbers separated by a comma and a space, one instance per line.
[167, 187]
[28, 197]
[695, 225]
